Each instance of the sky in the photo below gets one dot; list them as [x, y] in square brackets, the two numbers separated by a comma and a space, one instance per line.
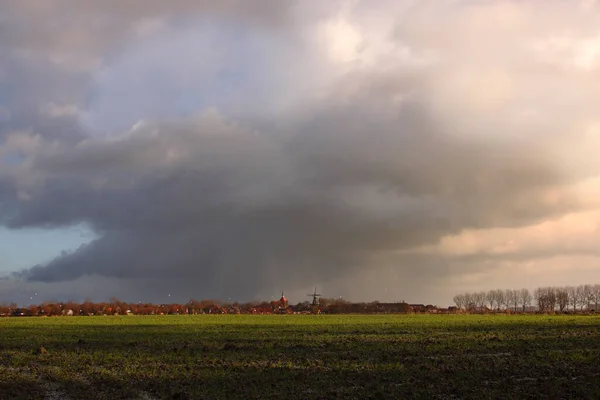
[383, 149]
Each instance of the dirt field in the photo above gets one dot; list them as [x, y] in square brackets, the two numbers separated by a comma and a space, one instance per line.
[300, 357]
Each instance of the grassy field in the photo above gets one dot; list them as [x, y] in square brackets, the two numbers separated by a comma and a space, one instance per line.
[300, 357]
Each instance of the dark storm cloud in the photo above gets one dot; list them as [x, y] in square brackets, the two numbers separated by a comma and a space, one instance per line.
[224, 206]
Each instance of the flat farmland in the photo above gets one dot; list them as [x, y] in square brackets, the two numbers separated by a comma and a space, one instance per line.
[300, 357]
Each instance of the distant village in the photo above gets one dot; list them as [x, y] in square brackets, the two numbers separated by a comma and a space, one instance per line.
[548, 300]
[316, 305]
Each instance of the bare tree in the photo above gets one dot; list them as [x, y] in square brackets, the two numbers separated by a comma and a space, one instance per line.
[546, 298]
[525, 298]
[491, 298]
[480, 299]
[588, 296]
[596, 296]
[459, 300]
[540, 299]
[573, 297]
[506, 299]
[551, 293]
[562, 298]
[514, 299]
[581, 296]
[500, 298]
[475, 302]
[470, 302]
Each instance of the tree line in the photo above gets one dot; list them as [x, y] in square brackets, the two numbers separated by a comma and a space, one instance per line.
[116, 306]
[543, 299]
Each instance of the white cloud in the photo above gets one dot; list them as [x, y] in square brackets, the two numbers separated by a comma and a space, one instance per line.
[343, 40]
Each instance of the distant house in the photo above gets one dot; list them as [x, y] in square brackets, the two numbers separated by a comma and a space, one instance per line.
[417, 308]
[215, 309]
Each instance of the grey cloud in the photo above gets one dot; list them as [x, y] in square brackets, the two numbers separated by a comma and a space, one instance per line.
[238, 206]
[333, 187]
[52, 51]
[100, 25]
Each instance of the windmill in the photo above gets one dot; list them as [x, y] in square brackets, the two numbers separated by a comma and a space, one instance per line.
[316, 298]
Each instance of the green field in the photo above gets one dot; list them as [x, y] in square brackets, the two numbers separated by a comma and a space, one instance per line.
[300, 357]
